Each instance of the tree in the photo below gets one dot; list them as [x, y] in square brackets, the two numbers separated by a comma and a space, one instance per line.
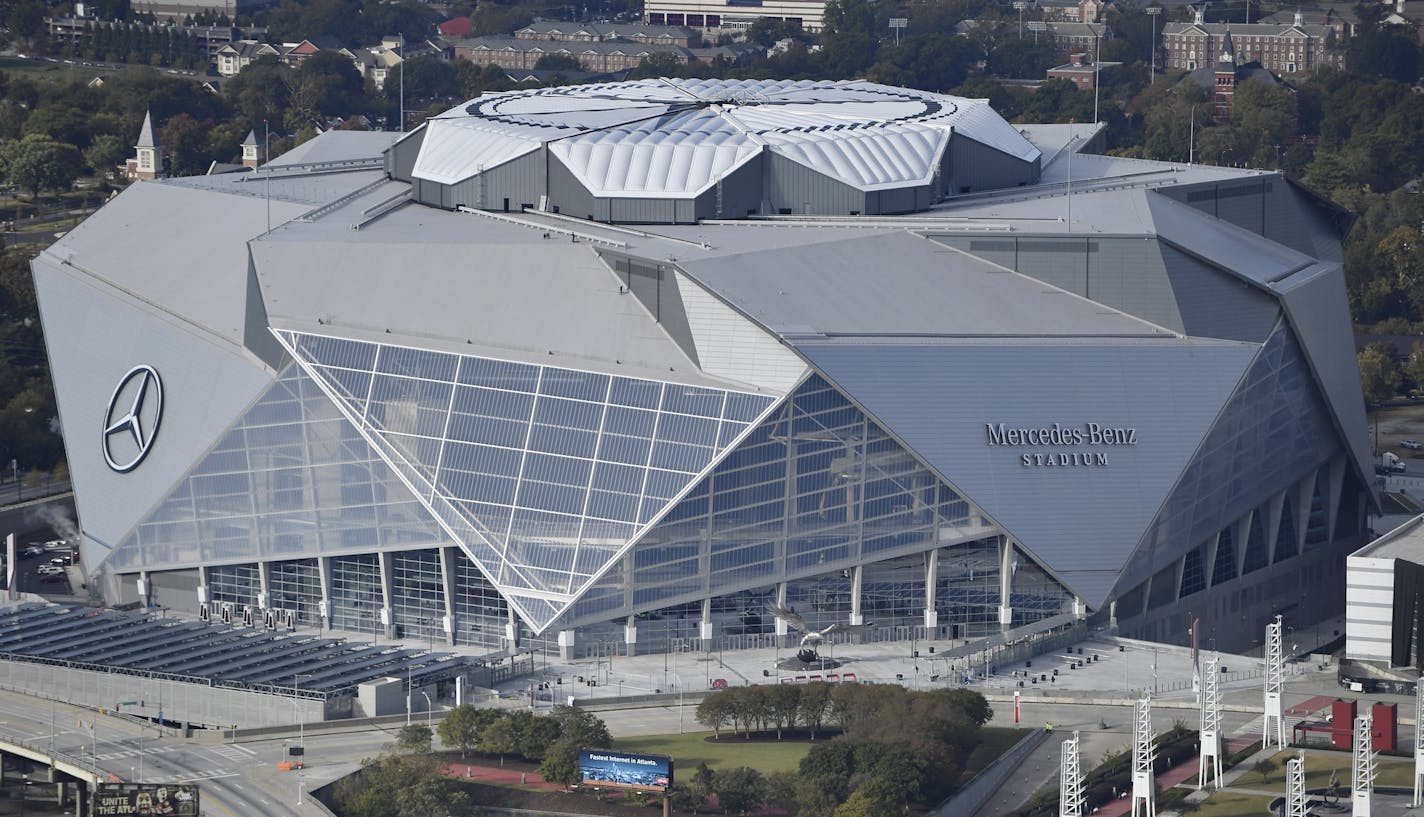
[561, 762]
[582, 727]
[740, 789]
[105, 153]
[414, 739]
[1379, 373]
[558, 62]
[783, 701]
[702, 778]
[1264, 767]
[815, 700]
[399, 786]
[462, 726]
[715, 712]
[37, 163]
[1414, 365]
[500, 737]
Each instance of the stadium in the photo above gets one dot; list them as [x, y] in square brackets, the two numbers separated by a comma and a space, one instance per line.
[617, 367]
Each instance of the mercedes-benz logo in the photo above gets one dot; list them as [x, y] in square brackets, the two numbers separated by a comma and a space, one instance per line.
[132, 421]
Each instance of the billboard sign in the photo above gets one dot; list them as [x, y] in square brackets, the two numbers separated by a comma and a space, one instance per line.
[624, 770]
[145, 800]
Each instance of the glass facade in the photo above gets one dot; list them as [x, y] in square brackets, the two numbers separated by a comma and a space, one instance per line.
[1273, 429]
[296, 588]
[816, 486]
[292, 478]
[544, 473]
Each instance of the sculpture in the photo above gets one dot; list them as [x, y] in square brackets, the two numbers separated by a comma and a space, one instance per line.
[811, 639]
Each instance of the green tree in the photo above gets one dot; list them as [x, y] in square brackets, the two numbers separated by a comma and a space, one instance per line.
[715, 712]
[37, 163]
[105, 153]
[1414, 365]
[702, 779]
[1379, 373]
[561, 762]
[462, 726]
[783, 702]
[739, 789]
[815, 701]
[500, 737]
[399, 786]
[558, 62]
[582, 727]
[414, 739]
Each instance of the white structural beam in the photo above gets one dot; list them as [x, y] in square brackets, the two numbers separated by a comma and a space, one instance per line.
[1144, 783]
[1070, 780]
[1209, 766]
[1295, 786]
[1418, 745]
[1274, 723]
[1362, 782]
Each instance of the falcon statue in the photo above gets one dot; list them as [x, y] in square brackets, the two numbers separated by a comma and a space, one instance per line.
[810, 639]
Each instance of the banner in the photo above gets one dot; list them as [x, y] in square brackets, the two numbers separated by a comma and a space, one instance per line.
[145, 800]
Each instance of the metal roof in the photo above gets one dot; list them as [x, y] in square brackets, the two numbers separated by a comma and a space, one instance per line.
[673, 138]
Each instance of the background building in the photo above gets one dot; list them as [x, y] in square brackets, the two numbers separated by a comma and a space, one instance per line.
[1283, 49]
[620, 365]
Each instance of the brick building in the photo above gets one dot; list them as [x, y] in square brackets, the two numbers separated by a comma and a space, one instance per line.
[1283, 49]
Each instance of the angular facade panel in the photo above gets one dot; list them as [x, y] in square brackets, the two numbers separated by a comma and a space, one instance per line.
[816, 486]
[552, 469]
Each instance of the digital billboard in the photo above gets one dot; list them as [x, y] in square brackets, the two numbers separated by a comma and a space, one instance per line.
[624, 770]
[145, 800]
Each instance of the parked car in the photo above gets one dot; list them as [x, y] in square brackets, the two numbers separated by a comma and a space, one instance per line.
[50, 570]
[1412, 444]
[32, 551]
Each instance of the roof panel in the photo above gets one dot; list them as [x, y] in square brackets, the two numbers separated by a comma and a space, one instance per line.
[678, 137]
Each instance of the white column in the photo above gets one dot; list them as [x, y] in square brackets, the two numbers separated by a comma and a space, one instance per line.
[1209, 764]
[1006, 582]
[323, 604]
[1418, 746]
[447, 581]
[566, 645]
[1144, 782]
[781, 603]
[142, 586]
[1295, 786]
[856, 618]
[705, 628]
[1070, 779]
[1362, 783]
[931, 579]
[1274, 723]
[387, 617]
[511, 632]
[630, 635]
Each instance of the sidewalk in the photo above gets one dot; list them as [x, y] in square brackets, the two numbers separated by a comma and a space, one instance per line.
[500, 776]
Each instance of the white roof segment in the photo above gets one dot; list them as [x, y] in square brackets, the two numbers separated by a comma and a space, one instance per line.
[673, 138]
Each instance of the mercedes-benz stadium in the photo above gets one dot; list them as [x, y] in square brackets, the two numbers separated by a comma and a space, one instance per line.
[619, 367]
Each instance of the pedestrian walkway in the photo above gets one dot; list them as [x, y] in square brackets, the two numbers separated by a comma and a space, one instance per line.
[499, 776]
[1310, 706]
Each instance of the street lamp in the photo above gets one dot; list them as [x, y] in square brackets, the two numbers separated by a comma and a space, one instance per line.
[1153, 11]
[429, 713]
[1020, 5]
[15, 471]
[301, 716]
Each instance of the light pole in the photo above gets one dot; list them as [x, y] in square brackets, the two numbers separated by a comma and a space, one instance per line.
[429, 713]
[1153, 11]
[1020, 5]
[15, 471]
[301, 716]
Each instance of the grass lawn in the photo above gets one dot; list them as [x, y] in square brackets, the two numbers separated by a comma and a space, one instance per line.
[690, 749]
[1393, 771]
[1231, 804]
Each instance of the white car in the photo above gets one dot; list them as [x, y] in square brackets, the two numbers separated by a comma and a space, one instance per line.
[49, 570]
[1412, 444]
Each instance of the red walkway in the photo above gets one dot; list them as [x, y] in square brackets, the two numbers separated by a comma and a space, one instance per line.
[499, 775]
[1309, 706]
[1174, 776]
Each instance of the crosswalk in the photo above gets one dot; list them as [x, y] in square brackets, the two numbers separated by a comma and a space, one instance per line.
[233, 752]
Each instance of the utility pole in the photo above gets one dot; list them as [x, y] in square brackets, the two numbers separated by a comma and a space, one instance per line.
[1153, 11]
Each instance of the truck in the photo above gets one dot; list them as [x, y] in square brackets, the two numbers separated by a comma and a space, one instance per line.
[1390, 463]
